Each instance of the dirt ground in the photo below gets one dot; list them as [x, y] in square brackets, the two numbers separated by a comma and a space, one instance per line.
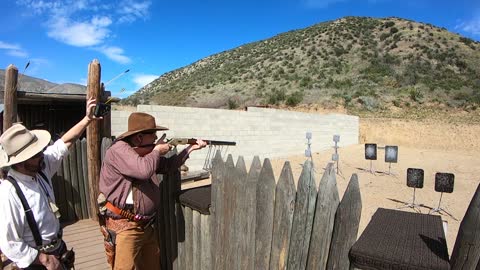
[431, 146]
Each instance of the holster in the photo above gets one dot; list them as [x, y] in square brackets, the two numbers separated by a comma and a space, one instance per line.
[109, 237]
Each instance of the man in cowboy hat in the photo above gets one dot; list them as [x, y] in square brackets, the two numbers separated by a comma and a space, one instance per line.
[32, 164]
[129, 183]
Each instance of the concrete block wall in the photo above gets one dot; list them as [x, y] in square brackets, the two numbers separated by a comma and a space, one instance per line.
[267, 133]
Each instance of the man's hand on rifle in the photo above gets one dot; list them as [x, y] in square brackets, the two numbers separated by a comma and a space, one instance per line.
[161, 146]
[199, 145]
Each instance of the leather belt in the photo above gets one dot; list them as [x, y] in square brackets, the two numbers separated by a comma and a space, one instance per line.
[126, 214]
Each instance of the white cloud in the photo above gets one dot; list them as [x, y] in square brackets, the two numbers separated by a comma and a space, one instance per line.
[80, 34]
[130, 11]
[115, 53]
[321, 3]
[88, 23]
[143, 79]
[13, 49]
[471, 26]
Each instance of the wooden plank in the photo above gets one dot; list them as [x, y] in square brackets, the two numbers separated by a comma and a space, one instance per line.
[326, 207]
[228, 213]
[264, 215]
[196, 240]
[166, 223]
[161, 224]
[240, 218]
[283, 218]
[174, 187]
[345, 230]
[72, 158]
[303, 218]
[188, 238]
[85, 175]
[181, 238]
[68, 190]
[247, 242]
[206, 253]
[81, 179]
[60, 199]
[218, 188]
[466, 251]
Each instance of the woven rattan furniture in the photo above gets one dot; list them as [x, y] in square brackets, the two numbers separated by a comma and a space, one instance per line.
[401, 240]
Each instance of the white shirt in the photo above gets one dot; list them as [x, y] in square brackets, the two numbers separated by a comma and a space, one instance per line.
[16, 238]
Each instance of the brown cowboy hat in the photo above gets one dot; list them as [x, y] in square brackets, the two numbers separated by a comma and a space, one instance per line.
[18, 144]
[140, 122]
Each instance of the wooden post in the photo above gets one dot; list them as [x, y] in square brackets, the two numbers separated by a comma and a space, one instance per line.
[105, 130]
[10, 97]
[93, 138]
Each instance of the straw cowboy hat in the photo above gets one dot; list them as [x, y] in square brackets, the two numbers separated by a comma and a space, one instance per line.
[140, 122]
[18, 144]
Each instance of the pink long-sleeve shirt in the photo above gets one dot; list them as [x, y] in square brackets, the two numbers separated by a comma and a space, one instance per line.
[122, 167]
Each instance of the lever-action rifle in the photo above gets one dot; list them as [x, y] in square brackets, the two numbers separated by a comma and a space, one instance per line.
[183, 141]
[174, 142]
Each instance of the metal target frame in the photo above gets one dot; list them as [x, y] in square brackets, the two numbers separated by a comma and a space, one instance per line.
[444, 183]
[371, 154]
[391, 156]
[415, 179]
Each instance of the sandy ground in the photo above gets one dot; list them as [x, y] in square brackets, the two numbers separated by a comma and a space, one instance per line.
[431, 146]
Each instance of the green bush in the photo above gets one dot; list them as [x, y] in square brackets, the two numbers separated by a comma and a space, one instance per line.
[294, 99]
[276, 96]
[415, 94]
[232, 104]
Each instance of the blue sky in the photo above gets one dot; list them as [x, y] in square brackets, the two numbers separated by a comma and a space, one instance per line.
[60, 38]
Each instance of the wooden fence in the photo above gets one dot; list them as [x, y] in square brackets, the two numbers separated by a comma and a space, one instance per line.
[70, 185]
[259, 223]
[255, 222]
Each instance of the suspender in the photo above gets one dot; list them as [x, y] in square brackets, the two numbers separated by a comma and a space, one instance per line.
[28, 211]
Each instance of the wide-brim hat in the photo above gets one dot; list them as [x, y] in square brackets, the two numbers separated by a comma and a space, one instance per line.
[18, 144]
[140, 122]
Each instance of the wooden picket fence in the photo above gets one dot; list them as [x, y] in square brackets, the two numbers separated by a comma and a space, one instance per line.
[256, 222]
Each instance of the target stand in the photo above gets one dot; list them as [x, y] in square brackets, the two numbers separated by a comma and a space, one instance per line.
[443, 184]
[371, 154]
[391, 156]
[414, 180]
[336, 156]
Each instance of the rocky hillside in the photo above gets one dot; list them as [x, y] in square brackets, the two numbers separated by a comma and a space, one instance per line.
[360, 63]
[35, 85]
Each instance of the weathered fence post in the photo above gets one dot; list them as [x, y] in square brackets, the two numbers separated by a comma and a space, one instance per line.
[326, 207]
[93, 138]
[345, 230]
[216, 210]
[466, 252]
[282, 218]
[10, 97]
[303, 218]
[264, 216]
[248, 243]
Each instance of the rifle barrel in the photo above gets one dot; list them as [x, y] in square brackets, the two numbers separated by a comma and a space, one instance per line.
[212, 142]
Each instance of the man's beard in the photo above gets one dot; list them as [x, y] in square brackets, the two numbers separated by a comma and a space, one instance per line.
[35, 168]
